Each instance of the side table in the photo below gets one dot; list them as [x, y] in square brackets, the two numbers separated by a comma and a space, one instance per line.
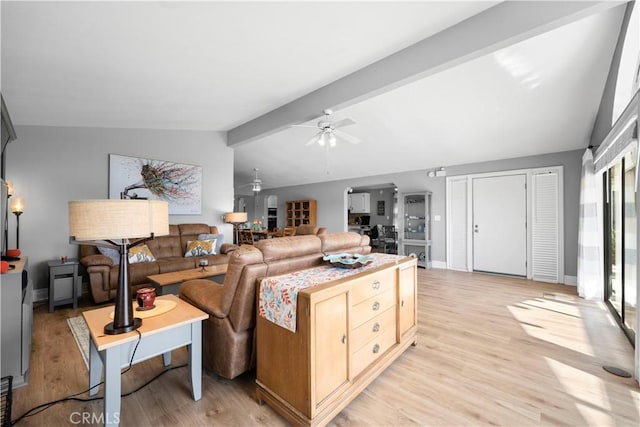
[159, 335]
[58, 272]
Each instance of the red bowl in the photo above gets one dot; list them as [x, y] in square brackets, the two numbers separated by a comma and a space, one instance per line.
[13, 252]
[4, 266]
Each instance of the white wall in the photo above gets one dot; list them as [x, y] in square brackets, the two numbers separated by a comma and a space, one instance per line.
[51, 165]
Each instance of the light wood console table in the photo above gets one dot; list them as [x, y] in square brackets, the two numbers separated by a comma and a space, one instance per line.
[347, 332]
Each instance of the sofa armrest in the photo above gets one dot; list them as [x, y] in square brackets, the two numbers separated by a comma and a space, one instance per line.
[227, 248]
[97, 259]
[204, 294]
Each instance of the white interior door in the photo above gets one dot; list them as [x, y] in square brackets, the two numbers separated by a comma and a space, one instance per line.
[500, 224]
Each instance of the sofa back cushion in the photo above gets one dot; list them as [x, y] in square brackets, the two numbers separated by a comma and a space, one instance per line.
[190, 232]
[288, 247]
[346, 241]
[166, 246]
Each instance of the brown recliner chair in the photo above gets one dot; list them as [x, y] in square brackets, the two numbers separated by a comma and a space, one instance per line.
[227, 336]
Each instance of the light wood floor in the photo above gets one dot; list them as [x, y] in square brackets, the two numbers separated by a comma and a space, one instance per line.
[491, 351]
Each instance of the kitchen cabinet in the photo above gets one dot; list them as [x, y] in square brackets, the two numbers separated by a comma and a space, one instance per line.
[360, 203]
[348, 331]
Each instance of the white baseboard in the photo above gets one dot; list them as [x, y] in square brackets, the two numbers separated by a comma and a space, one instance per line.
[41, 294]
[571, 280]
[439, 264]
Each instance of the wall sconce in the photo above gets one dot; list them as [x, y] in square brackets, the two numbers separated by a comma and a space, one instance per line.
[17, 207]
[5, 230]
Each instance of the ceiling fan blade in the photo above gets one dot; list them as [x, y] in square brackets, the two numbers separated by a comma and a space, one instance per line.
[305, 126]
[349, 138]
[343, 123]
[313, 139]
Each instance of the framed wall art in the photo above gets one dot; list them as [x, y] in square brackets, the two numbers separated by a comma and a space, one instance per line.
[137, 178]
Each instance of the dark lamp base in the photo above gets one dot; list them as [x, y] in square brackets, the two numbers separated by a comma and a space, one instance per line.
[109, 329]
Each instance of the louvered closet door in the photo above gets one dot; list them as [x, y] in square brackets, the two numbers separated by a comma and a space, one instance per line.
[545, 232]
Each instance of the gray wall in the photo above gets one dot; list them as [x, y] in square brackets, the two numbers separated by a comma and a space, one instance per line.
[572, 162]
[332, 203]
[51, 165]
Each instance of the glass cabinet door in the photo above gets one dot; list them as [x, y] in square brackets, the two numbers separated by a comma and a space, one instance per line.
[416, 227]
[415, 217]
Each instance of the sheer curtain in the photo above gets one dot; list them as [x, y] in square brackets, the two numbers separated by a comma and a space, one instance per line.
[590, 279]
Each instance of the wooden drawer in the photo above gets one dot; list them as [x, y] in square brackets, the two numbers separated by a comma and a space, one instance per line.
[371, 307]
[371, 351]
[371, 285]
[385, 321]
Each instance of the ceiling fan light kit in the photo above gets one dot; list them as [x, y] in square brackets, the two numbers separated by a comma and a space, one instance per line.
[329, 134]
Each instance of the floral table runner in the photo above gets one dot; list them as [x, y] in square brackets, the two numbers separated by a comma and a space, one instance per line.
[279, 294]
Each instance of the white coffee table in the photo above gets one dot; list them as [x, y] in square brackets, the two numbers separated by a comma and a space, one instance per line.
[181, 326]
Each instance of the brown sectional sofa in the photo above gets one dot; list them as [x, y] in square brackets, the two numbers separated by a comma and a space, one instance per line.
[168, 250]
[228, 334]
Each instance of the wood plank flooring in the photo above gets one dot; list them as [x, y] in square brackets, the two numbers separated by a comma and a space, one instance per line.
[491, 351]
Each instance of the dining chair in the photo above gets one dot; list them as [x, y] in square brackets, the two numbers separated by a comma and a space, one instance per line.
[246, 237]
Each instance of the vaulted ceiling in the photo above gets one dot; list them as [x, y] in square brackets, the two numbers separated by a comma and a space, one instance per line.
[428, 84]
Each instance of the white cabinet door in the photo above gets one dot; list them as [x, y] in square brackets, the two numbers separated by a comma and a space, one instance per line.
[359, 203]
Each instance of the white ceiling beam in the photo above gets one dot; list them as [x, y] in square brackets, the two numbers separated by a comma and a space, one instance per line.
[507, 23]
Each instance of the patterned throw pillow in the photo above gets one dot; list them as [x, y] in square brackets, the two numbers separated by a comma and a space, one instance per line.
[219, 238]
[140, 254]
[200, 247]
[114, 254]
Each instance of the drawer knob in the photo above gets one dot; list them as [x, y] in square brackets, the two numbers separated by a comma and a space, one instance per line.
[344, 338]
[376, 327]
[375, 306]
[376, 284]
[376, 348]
[402, 303]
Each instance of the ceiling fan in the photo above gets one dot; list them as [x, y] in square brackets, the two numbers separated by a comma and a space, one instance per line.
[256, 184]
[329, 133]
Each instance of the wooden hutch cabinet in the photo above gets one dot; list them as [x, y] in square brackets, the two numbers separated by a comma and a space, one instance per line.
[299, 212]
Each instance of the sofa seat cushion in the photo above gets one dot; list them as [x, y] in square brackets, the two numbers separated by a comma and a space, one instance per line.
[170, 264]
[204, 294]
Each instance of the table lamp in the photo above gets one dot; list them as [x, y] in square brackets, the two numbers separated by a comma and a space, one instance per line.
[119, 224]
[235, 218]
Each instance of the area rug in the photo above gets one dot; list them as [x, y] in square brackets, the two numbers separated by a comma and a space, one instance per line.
[80, 332]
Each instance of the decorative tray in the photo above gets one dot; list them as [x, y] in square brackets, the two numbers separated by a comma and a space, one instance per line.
[348, 260]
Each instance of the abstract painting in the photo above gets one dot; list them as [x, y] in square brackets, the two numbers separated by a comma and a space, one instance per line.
[136, 178]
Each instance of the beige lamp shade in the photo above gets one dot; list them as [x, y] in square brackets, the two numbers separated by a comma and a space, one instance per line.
[235, 217]
[117, 219]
